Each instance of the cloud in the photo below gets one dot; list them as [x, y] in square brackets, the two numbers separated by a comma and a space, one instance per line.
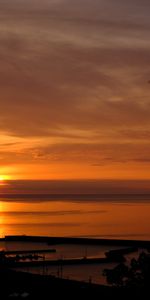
[74, 80]
[34, 191]
[57, 72]
[97, 150]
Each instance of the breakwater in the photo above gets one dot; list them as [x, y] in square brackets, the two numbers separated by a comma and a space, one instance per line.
[78, 240]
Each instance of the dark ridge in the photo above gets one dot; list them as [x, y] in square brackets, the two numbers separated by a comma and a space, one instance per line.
[48, 287]
[72, 240]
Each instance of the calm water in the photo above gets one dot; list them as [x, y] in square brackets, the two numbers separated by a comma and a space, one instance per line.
[110, 218]
[87, 272]
[76, 272]
[113, 218]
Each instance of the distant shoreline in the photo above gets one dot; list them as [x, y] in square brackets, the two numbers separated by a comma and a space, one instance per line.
[76, 240]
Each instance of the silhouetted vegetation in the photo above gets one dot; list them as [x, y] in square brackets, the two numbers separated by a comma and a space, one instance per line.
[137, 274]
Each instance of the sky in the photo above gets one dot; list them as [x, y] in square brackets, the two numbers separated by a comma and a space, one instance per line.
[75, 89]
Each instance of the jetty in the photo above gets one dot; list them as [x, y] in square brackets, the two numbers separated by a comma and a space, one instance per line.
[35, 260]
[12, 263]
[76, 240]
[35, 251]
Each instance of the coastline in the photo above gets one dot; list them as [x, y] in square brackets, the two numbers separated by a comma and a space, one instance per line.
[76, 240]
[34, 286]
[44, 286]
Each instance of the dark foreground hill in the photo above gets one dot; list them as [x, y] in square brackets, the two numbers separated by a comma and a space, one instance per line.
[20, 285]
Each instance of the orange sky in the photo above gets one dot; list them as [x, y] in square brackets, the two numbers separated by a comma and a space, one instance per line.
[74, 89]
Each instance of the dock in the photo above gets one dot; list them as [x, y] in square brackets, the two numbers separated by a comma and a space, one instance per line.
[57, 262]
[35, 251]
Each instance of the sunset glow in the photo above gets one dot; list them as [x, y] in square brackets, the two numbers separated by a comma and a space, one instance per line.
[75, 89]
[4, 178]
[74, 148]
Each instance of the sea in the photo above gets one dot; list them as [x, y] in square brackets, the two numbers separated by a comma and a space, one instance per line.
[96, 216]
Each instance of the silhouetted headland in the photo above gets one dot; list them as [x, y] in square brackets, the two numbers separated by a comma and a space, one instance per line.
[75, 240]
